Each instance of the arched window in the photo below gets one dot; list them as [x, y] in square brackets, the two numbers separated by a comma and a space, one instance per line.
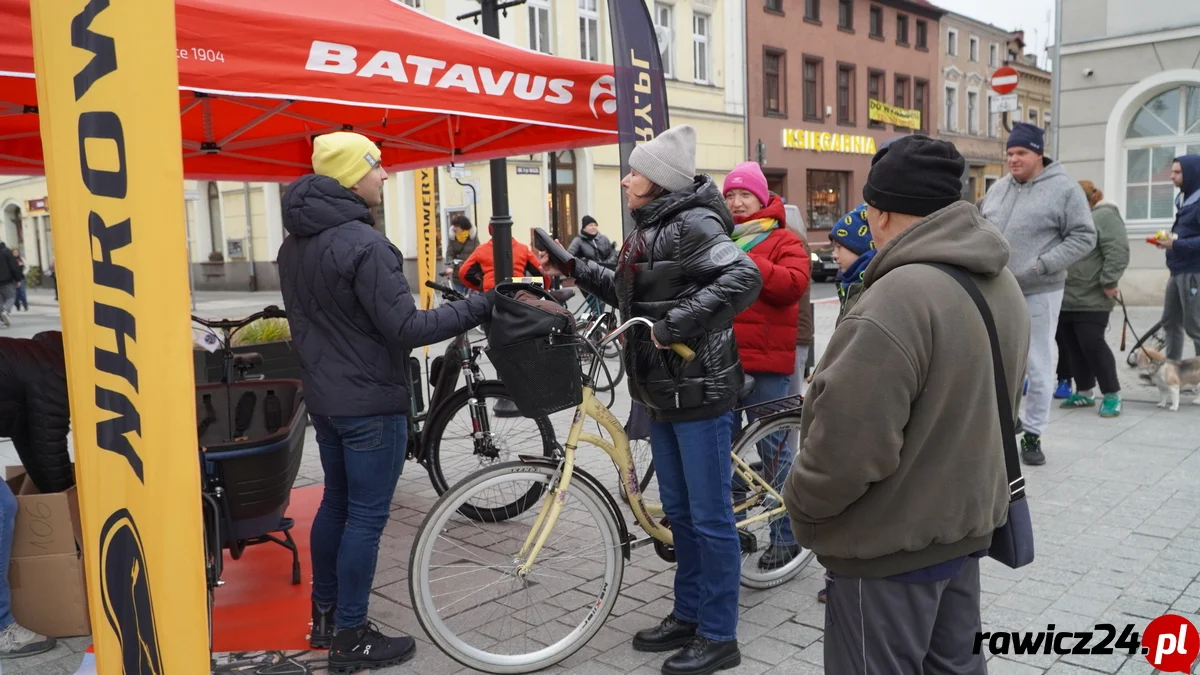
[1164, 128]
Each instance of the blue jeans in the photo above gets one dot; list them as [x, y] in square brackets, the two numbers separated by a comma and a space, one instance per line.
[774, 450]
[22, 301]
[362, 458]
[8, 520]
[691, 460]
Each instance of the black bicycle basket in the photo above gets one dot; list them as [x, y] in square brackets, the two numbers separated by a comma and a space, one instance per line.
[534, 349]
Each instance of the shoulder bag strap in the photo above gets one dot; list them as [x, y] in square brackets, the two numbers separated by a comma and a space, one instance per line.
[1016, 483]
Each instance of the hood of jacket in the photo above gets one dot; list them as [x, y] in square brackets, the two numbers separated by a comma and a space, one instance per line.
[1191, 174]
[773, 209]
[316, 203]
[956, 235]
[702, 193]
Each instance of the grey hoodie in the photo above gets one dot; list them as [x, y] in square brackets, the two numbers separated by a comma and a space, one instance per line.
[1047, 223]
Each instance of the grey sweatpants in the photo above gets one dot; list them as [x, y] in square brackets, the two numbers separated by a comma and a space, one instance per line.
[1040, 366]
[882, 627]
[8, 295]
[1181, 313]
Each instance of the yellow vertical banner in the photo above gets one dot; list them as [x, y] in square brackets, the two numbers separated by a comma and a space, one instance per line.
[425, 189]
[108, 98]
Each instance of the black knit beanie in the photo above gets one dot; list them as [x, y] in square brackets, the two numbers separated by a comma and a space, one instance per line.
[916, 175]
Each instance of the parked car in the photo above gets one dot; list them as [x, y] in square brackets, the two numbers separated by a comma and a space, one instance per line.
[824, 267]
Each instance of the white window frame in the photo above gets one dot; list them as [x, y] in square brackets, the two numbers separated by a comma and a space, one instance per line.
[1181, 144]
[589, 15]
[702, 43]
[1034, 116]
[951, 42]
[950, 119]
[973, 118]
[993, 55]
[973, 49]
[539, 8]
[1047, 118]
[667, 46]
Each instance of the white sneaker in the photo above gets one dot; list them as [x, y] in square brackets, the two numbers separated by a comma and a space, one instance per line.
[4, 318]
[17, 640]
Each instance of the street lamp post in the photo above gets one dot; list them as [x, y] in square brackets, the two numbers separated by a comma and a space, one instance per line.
[501, 222]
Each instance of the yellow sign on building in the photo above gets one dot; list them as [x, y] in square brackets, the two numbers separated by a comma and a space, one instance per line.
[107, 86]
[878, 111]
[427, 231]
[823, 141]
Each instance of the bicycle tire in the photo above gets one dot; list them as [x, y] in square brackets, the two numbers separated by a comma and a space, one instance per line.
[1156, 334]
[436, 427]
[745, 443]
[430, 532]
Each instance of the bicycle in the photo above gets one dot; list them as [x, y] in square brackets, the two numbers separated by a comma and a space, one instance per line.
[485, 427]
[592, 571]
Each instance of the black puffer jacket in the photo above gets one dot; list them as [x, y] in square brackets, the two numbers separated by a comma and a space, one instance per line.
[34, 409]
[680, 268]
[350, 309]
[597, 248]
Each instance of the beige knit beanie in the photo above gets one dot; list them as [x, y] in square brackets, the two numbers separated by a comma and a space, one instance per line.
[669, 160]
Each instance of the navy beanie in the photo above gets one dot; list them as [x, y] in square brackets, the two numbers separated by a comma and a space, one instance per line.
[1027, 136]
[853, 232]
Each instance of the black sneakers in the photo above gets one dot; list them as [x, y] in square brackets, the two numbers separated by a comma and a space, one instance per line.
[321, 635]
[778, 555]
[670, 634]
[364, 648]
[703, 656]
[1031, 450]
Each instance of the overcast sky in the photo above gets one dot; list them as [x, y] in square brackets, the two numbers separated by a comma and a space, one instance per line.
[1035, 17]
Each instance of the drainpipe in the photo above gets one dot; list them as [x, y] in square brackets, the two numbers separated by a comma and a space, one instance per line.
[249, 237]
[1056, 92]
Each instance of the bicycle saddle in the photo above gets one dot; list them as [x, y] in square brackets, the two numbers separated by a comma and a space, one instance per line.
[247, 360]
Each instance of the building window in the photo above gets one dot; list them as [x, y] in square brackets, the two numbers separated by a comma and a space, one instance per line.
[875, 92]
[951, 115]
[845, 94]
[846, 14]
[700, 48]
[973, 49]
[774, 6]
[952, 42]
[539, 26]
[972, 112]
[901, 91]
[773, 82]
[920, 102]
[813, 100]
[902, 30]
[876, 22]
[1033, 116]
[413, 3]
[214, 220]
[993, 55]
[993, 118]
[1046, 120]
[812, 10]
[589, 30]
[663, 22]
[826, 198]
[922, 35]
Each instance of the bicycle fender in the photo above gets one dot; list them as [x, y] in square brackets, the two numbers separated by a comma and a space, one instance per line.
[579, 474]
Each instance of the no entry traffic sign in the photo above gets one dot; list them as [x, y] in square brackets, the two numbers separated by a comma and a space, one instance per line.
[1004, 80]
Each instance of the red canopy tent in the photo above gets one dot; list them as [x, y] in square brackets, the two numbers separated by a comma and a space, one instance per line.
[258, 80]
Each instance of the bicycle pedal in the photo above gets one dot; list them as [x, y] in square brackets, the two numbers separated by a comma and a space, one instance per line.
[748, 542]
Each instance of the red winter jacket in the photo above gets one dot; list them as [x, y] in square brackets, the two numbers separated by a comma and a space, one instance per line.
[766, 332]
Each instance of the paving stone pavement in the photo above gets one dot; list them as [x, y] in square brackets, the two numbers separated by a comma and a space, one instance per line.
[1116, 512]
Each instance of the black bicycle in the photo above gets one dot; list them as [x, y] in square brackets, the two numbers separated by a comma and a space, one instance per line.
[464, 429]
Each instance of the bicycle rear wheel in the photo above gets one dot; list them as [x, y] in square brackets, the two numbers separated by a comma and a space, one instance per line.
[1155, 338]
[763, 446]
[463, 578]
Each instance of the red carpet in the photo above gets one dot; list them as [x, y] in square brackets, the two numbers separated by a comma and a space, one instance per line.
[258, 608]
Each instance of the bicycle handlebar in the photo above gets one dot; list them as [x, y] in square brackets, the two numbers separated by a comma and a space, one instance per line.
[679, 348]
[444, 290]
[269, 312]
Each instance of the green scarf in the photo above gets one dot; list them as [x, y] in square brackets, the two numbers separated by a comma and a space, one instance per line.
[753, 232]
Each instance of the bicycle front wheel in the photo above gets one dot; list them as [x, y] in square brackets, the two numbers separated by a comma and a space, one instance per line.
[765, 448]
[463, 578]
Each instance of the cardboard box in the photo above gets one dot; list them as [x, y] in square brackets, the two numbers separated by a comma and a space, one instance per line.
[49, 593]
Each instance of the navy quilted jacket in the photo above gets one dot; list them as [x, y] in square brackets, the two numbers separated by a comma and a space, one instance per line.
[351, 312]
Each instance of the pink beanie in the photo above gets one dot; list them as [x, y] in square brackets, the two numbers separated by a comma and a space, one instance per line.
[748, 176]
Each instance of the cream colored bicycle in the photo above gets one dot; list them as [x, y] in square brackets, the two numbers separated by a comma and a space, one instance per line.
[524, 592]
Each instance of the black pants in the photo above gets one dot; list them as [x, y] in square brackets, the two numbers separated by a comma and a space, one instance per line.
[1083, 353]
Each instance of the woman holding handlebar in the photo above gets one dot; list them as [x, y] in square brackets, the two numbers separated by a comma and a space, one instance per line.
[680, 269]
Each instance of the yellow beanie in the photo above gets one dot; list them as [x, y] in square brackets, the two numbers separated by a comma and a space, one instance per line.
[344, 156]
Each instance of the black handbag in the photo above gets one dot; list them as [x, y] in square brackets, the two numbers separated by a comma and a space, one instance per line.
[1012, 542]
[524, 312]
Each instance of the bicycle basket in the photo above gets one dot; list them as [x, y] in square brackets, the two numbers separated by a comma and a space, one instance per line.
[543, 375]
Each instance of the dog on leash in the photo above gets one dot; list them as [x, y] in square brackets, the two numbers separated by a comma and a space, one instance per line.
[1169, 375]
